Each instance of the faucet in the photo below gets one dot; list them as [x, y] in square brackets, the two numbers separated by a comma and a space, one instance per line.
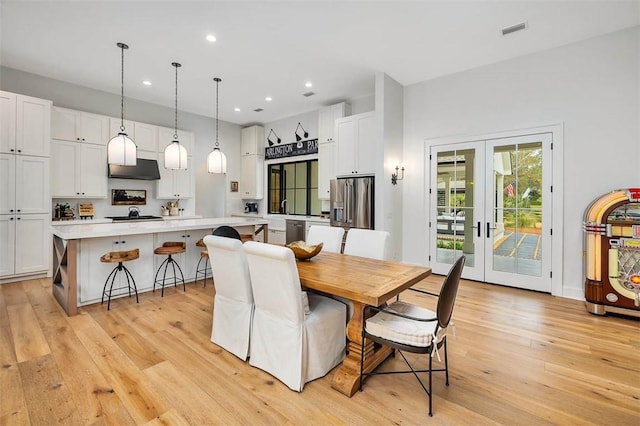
[282, 204]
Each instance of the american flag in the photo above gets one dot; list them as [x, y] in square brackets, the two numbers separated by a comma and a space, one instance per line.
[511, 190]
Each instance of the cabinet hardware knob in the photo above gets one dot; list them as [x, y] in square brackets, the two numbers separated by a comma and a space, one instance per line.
[19, 210]
[117, 242]
[12, 149]
[11, 211]
[11, 219]
[123, 242]
[18, 218]
[77, 139]
[19, 150]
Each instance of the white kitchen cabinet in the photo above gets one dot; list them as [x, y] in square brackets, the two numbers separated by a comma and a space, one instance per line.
[79, 170]
[175, 183]
[310, 223]
[252, 177]
[327, 117]
[277, 236]
[25, 184]
[355, 145]
[93, 273]
[25, 244]
[165, 137]
[326, 169]
[144, 135]
[252, 141]
[25, 125]
[80, 126]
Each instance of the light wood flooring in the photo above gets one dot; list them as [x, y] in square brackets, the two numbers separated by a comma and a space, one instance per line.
[519, 357]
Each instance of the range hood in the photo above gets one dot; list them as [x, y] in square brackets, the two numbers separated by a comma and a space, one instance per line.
[143, 170]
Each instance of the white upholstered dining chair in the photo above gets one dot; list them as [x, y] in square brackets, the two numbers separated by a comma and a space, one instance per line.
[286, 342]
[329, 236]
[368, 243]
[233, 304]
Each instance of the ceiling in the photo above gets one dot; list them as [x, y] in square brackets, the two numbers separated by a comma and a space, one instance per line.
[271, 48]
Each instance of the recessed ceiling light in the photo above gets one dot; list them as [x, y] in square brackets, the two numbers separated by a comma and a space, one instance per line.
[146, 82]
[236, 109]
[268, 99]
[308, 84]
[211, 38]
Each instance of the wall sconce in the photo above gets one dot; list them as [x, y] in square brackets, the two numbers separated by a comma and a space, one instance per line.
[298, 137]
[271, 132]
[394, 176]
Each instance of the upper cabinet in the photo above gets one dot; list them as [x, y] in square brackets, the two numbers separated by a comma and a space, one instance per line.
[144, 135]
[80, 126]
[25, 126]
[355, 150]
[327, 120]
[175, 183]
[252, 141]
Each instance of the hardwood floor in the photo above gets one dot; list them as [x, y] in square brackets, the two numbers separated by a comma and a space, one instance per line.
[519, 357]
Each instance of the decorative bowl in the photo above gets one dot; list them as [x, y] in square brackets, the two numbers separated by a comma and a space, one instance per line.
[304, 251]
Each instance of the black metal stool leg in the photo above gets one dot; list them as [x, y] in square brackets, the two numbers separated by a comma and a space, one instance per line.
[135, 288]
[155, 280]
[104, 289]
[184, 285]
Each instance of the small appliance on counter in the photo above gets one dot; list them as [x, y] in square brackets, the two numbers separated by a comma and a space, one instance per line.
[251, 208]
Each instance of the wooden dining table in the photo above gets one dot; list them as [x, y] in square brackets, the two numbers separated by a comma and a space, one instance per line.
[363, 281]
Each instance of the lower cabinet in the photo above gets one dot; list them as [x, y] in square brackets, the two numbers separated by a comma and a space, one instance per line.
[25, 244]
[277, 236]
[93, 273]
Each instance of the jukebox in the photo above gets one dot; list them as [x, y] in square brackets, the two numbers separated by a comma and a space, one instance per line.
[612, 253]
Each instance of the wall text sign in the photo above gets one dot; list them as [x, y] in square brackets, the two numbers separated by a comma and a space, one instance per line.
[291, 149]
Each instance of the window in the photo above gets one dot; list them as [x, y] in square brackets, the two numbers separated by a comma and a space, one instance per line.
[297, 183]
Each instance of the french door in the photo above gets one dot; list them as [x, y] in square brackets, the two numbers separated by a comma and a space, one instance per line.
[491, 201]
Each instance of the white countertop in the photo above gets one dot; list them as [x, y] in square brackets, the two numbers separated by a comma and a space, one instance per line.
[94, 230]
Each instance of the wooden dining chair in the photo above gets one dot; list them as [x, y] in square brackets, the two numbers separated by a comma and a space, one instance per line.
[290, 344]
[233, 302]
[410, 328]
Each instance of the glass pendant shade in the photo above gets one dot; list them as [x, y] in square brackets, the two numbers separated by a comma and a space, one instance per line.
[216, 161]
[175, 156]
[121, 150]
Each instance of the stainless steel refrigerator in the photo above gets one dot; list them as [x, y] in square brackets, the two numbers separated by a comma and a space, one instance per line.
[351, 201]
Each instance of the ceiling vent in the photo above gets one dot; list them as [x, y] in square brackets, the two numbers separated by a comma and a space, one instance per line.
[514, 28]
[258, 110]
[306, 95]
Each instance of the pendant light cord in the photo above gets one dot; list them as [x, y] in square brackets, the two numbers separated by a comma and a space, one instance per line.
[122, 88]
[175, 132]
[217, 109]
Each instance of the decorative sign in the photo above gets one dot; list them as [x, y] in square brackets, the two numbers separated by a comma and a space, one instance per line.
[291, 149]
[128, 197]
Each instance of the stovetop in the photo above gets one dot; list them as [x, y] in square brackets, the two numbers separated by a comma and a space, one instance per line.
[139, 218]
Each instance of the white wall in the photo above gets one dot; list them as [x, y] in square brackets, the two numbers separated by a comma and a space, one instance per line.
[388, 198]
[210, 189]
[591, 87]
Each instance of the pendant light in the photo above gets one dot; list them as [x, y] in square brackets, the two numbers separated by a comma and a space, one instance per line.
[217, 161]
[175, 155]
[121, 150]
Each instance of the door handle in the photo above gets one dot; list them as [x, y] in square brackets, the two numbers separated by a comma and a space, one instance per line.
[489, 227]
[478, 228]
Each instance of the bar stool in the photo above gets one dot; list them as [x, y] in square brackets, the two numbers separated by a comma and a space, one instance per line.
[169, 248]
[204, 255]
[119, 256]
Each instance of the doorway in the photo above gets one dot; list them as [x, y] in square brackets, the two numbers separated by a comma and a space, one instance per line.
[491, 201]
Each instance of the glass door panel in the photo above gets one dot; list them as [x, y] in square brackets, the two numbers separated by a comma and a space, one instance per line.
[518, 216]
[454, 220]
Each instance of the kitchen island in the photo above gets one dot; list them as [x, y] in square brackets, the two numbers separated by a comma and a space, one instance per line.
[78, 274]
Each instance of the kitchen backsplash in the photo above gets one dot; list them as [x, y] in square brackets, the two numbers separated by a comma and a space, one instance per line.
[102, 206]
